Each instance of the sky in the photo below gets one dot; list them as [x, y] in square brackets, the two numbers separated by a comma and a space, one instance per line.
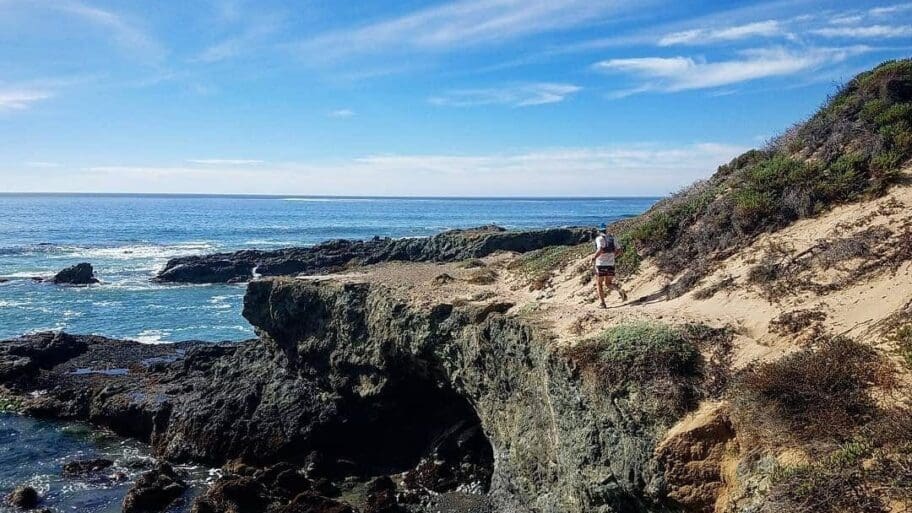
[414, 98]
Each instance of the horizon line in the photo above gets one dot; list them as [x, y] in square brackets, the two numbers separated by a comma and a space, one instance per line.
[315, 196]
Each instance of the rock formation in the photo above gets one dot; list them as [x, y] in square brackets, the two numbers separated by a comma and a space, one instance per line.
[349, 381]
[79, 274]
[336, 255]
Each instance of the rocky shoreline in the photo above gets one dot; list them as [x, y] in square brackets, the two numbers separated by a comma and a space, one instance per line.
[336, 255]
[353, 400]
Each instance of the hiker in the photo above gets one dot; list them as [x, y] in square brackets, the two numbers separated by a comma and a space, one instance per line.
[606, 249]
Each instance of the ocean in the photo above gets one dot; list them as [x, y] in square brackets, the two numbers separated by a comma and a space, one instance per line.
[128, 238]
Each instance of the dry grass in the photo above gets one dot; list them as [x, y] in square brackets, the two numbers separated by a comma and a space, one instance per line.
[823, 392]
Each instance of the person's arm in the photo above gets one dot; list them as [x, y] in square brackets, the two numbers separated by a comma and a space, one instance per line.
[598, 252]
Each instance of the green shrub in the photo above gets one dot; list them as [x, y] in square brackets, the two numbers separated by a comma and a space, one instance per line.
[652, 365]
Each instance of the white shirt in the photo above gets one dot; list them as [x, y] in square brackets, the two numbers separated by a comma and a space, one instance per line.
[606, 258]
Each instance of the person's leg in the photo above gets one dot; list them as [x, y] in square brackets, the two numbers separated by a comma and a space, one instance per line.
[598, 286]
[611, 284]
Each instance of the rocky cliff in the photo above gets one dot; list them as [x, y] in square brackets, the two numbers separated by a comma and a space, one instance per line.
[350, 380]
[336, 255]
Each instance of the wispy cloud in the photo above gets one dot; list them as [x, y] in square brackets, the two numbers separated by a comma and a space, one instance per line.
[704, 36]
[249, 37]
[684, 73]
[225, 162]
[39, 164]
[872, 31]
[126, 33]
[525, 95]
[459, 24]
[890, 9]
[19, 99]
[341, 113]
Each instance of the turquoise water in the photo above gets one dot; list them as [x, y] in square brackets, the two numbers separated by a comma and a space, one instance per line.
[127, 238]
[33, 452]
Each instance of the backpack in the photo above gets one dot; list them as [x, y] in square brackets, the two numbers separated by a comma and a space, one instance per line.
[609, 243]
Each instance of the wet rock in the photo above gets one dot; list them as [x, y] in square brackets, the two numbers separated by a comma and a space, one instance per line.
[336, 255]
[79, 274]
[83, 467]
[154, 491]
[280, 488]
[23, 497]
[24, 357]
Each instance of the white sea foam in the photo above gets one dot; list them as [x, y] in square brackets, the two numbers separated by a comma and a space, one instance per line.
[153, 336]
[137, 251]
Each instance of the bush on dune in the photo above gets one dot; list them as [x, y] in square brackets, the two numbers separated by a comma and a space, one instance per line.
[662, 366]
[854, 147]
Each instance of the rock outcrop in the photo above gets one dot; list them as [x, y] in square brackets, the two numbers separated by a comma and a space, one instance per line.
[154, 491]
[348, 381]
[23, 497]
[79, 274]
[336, 255]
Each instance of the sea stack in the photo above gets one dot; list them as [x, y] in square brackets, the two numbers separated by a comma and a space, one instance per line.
[79, 274]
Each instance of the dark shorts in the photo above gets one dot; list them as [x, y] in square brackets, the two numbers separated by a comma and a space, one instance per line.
[604, 270]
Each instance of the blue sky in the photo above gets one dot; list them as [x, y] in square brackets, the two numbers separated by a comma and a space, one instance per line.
[467, 97]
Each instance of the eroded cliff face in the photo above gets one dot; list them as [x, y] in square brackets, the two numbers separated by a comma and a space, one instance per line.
[352, 381]
[558, 445]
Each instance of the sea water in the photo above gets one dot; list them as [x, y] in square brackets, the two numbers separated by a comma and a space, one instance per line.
[128, 238]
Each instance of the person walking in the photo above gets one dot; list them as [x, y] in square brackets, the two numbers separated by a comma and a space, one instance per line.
[606, 251]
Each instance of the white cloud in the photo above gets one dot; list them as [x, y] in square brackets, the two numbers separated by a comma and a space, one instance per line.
[341, 113]
[38, 164]
[460, 24]
[872, 31]
[632, 169]
[19, 99]
[225, 162]
[684, 73]
[704, 36]
[888, 10]
[525, 95]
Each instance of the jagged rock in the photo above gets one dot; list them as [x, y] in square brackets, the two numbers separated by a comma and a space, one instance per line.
[23, 497]
[332, 256]
[381, 496]
[351, 380]
[83, 467]
[79, 274]
[281, 488]
[154, 491]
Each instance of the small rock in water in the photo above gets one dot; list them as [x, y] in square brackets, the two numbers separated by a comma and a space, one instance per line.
[79, 274]
[154, 491]
[23, 497]
[83, 467]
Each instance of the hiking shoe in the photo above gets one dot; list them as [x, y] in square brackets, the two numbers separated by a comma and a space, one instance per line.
[623, 294]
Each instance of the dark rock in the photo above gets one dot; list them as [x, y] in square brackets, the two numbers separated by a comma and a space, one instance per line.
[23, 497]
[154, 491]
[381, 496]
[335, 255]
[83, 467]
[4, 280]
[79, 274]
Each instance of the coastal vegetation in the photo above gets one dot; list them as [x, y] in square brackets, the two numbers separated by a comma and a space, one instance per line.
[854, 147]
